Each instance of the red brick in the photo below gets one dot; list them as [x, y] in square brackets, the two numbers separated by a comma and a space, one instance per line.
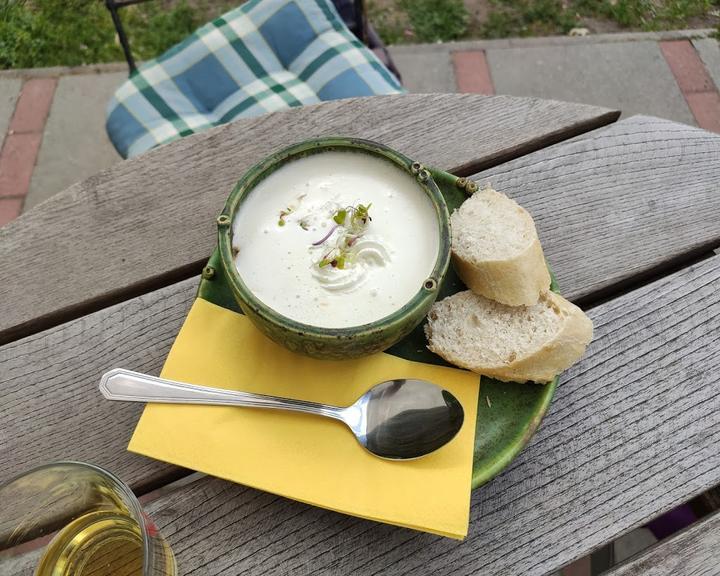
[686, 66]
[33, 105]
[705, 106]
[17, 162]
[9, 209]
[472, 73]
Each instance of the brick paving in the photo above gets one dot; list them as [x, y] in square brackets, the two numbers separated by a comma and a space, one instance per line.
[472, 73]
[21, 144]
[52, 130]
[695, 82]
[17, 162]
[33, 106]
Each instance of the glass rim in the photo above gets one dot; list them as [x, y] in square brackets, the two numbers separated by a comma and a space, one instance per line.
[132, 500]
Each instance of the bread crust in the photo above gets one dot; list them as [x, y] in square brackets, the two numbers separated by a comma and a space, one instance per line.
[514, 281]
[540, 365]
[517, 281]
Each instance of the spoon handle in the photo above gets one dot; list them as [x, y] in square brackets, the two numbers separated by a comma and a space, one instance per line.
[121, 384]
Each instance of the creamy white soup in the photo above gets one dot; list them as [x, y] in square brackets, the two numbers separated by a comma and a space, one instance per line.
[336, 239]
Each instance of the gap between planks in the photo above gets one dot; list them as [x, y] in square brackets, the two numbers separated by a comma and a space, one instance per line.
[580, 483]
[194, 269]
[158, 489]
[649, 276]
[137, 333]
[460, 133]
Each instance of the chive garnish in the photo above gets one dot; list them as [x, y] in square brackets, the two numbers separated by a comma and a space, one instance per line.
[354, 221]
[283, 214]
[340, 216]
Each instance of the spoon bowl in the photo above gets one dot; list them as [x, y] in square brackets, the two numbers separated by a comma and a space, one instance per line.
[403, 419]
[397, 419]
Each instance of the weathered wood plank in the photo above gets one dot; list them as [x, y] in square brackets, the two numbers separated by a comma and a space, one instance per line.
[632, 433]
[692, 552]
[23, 564]
[51, 409]
[637, 196]
[585, 420]
[65, 362]
[150, 221]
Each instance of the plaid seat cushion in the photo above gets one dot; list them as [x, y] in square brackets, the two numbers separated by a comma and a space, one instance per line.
[264, 56]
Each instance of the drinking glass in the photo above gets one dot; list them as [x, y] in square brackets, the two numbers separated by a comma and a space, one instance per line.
[76, 519]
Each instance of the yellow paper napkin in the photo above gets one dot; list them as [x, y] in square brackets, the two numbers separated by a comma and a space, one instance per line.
[307, 458]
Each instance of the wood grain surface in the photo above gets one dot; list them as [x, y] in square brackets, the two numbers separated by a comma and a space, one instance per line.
[693, 552]
[51, 408]
[636, 197]
[632, 432]
[23, 564]
[51, 377]
[150, 221]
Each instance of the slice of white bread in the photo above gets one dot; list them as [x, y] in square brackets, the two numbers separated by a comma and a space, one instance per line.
[511, 343]
[496, 251]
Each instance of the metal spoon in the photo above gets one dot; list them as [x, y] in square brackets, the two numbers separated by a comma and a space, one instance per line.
[397, 419]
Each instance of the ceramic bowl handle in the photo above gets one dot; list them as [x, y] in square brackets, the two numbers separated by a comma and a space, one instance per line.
[449, 183]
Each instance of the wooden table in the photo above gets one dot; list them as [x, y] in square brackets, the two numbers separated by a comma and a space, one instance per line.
[103, 274]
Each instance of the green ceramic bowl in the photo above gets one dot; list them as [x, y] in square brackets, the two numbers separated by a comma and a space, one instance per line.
[335, 343]
[508, 413]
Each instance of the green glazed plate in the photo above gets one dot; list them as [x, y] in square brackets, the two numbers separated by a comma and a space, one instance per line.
[508, 413]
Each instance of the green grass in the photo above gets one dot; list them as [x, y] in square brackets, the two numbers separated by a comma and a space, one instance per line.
[389, 21]
[62, 31]
[152, 29]
[35, 33]
[401, 21]
[418, 20]
[527, 18]
[436, 20]
[648, 15]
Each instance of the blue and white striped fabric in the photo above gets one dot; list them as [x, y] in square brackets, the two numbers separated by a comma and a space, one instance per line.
[264, 56]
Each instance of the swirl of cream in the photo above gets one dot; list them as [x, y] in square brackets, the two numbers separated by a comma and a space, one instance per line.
[367, 253]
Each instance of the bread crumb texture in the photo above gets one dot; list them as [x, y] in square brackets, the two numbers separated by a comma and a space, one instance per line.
[491, 226]
[480, 331]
